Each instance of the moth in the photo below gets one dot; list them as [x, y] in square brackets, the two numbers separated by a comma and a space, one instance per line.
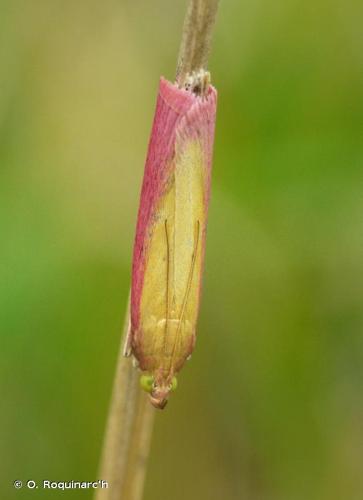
[170, 234]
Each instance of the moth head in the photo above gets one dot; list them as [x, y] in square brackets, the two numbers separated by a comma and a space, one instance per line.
[159, 390]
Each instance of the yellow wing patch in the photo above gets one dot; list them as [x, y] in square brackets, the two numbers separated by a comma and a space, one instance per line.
[169, 302]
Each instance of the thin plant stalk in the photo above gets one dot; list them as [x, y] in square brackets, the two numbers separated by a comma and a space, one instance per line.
[128, 433]
[196, 37]
[130, 420]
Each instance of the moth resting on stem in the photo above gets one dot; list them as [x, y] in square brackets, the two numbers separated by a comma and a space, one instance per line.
[170, 235]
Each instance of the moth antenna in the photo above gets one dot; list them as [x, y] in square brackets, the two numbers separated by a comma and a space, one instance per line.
[167, 281]
[187, 291]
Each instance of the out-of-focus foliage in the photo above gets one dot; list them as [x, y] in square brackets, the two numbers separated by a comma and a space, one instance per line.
[270, 407]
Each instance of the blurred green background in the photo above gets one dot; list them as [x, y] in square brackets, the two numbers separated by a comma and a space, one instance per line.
[270, 407]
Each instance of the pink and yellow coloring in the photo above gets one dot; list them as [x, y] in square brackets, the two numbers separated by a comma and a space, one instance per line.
[170, 234]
